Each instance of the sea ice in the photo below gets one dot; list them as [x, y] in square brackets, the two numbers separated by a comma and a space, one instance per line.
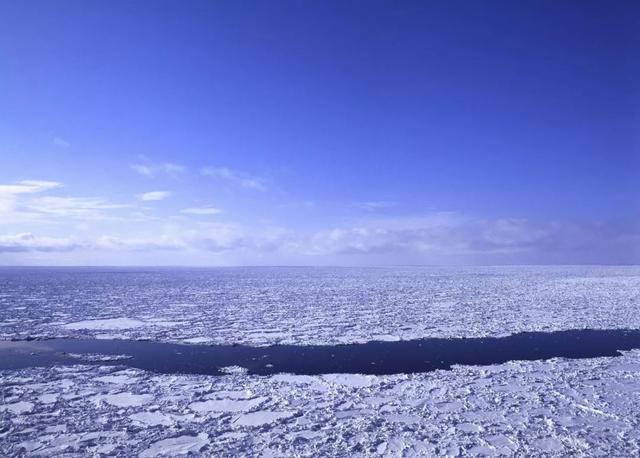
[227, 405]
[124, 399]
[18, 407]
[152, 418]
[317, 306]
[350, 380]
[177, 446]
[559, 407]
[233, 370]
[261, 417]
[107, 324]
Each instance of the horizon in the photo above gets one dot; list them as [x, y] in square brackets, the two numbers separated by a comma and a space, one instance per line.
[297, 266]
[332, 134]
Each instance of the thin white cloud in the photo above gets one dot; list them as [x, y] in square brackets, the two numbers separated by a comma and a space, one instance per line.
[28, 187]
[150, 169]
[375, 205]
[201, 211]
[61, 142]
[18, 206]
[443, 238]
[173, 170]
[10, 193]
[163, 242]
[144, 170]
[154, 195]
[28, 242]
[75, 207]
[241, 179]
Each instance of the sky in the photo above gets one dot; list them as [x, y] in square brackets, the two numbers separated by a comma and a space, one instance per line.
[319, 133]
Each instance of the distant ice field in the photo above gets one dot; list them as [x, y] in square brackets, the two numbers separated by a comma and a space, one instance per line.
[263, 306]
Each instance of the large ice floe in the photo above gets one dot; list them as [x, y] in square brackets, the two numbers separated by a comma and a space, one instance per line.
[559, 407]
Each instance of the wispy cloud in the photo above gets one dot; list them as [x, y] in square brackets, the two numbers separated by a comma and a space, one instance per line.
[451, 237]
[28, 242]
[142, 169]
[235, 177]
[154, 195]
[162, 242]
[22, 202]
[443, 238]
[173, 169]
[9, 193]
[74, 207]
[375, 205]
[61, 142]
[201, 211]
[28, 187]
[150, 169]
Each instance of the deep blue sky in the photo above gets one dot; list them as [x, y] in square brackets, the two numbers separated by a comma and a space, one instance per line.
[324, 132]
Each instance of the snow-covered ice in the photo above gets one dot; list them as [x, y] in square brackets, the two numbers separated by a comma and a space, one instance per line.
[262, 306]
[261, 417]
[588, 407]
[176, 446]
[103, 325]
[152, 419]
[558, 407]
[227, 405]
[233, 370]
[124, 399]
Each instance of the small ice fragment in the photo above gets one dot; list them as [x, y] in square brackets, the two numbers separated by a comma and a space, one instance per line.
[234, 370]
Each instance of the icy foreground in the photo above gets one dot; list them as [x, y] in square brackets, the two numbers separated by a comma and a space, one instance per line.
[588, 407]
[549, 408]
[261, 306]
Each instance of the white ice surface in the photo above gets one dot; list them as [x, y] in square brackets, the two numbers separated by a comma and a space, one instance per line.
[588, 407]
[152, 419]
[18, 408]
[540, 408]
[261, 417]
[226, 405]
[265, 306]
[124, 399]
[104, 325]
[176, 446]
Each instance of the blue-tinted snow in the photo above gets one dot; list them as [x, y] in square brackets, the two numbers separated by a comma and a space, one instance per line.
[559, 407]
[536, 408]
[261, 306]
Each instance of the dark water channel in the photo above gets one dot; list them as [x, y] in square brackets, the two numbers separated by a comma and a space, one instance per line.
[377, 358]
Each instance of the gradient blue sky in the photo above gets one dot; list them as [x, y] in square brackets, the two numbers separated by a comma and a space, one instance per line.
[347, 132]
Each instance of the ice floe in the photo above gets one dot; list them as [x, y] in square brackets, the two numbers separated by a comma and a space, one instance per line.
[124, 399]
[261, 417]
[176, 446]
[227, 405]
[107, 324]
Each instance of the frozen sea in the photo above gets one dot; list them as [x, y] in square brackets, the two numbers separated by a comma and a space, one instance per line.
[555, 407]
